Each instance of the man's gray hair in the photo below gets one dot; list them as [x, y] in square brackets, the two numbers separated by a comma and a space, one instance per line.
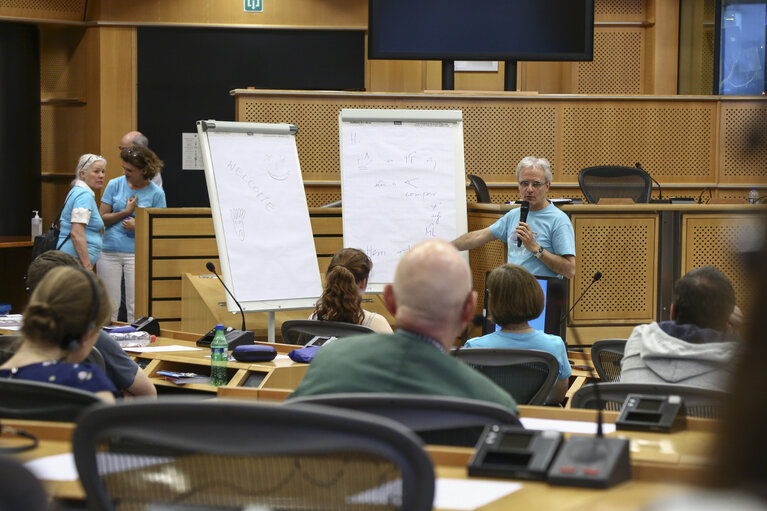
[532, 161]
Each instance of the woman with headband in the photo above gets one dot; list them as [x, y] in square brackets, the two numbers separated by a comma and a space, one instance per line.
[118, 205]
[61, 324]
[81, 224]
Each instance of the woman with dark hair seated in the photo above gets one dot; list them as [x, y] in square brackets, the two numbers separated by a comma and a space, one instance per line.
[61, 324]
[514, 298]
[345, 284]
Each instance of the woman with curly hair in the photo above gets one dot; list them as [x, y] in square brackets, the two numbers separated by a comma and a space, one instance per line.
[118, 205]
[345, 284]
[61, 324]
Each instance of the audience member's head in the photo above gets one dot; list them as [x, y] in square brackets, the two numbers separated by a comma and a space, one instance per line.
[133, 138]
[44, 263]
[85, 163]
[66, 310]
[703, 297]
[537, 163]
[431, 293]
[345, 283]
[514, 295]
[143, 159]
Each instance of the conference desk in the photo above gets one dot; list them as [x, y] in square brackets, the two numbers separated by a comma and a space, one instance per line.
[661, 464]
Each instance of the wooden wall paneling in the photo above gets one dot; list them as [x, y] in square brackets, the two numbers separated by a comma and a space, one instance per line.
[141, 263]
[625, 249]
[663, 46]
[50, 10]
[743, 148]
[619, 10]
[618, 65]
[486, 257]
[320, 195]
[716, 239]
[281, 13]
[395, 75]
[548, 77]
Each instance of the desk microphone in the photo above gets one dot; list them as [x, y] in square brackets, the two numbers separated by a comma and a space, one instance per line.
[597, 276]
[660, 190]
[211, 268]
[524, 209]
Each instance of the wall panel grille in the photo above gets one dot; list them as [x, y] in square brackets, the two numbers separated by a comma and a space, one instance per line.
[70, 10]
[744, 150]
[623, 8]
[617, 64]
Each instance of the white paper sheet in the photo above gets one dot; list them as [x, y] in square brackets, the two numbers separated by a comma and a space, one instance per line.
[60, 467]
[460, 494]
[158, 349]
[587, 428]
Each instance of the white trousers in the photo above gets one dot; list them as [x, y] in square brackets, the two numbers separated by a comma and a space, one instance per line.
[111, 268]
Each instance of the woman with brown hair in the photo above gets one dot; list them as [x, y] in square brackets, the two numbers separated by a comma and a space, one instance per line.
[345, 282]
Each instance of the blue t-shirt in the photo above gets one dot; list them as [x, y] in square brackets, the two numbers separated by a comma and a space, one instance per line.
[83, 376]
[552, 230]
[536, 340]
[116, 237]
[82, 197]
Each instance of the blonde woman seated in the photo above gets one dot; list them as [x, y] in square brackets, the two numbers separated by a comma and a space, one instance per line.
[61, 324]
[514, 298]
[345, 284]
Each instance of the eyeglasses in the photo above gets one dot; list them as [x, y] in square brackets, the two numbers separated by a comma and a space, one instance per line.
[536, 184]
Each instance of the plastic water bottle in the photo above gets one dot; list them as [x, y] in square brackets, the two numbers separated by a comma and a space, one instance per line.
[218, 358]
[753, 196]
[37, 225]
[132, 339]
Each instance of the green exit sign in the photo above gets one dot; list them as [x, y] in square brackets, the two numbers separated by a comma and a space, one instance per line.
[254, 5]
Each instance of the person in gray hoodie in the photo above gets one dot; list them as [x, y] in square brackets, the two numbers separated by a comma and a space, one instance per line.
[694, 348]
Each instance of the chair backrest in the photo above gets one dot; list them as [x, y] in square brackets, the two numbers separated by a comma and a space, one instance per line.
[610, 181]
[480, 188]
[698, 402]
[441, 420]
[33, 400]
[528, 375]
[235, 455]
[19, 488]
[606, 355]
[301, 331]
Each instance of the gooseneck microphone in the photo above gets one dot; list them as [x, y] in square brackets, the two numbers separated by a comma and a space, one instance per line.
[524, 209]
[597, 276]
[212, 269]
[660, 190]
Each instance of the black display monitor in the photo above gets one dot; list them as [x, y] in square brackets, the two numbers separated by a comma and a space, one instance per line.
[547, 30]
[554, 306]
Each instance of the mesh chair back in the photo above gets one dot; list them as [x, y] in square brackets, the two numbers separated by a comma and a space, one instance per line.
[301, 331]
[438, 420]
[25, 399]
[528, 375]
[19, 489]
[480, 188]
[698, 402]
[195, 454]
[611, 181]
[606, 355]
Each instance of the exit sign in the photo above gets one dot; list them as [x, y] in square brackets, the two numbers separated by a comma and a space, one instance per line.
[254, 5]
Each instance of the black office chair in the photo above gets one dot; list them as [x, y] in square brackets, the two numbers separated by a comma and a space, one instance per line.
[19, 488]
[528, 375]
[301, 331]
[480, 188]
[234, 455]
[33, 400]
[698, 402]
[606, 355]
[438, 420]
[610, 181]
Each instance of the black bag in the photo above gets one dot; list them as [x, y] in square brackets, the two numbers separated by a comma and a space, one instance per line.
[49, 239]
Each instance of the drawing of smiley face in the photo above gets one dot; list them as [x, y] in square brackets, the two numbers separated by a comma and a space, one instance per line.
[276, 167]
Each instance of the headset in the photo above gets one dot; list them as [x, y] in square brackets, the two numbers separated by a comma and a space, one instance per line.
[72, 342]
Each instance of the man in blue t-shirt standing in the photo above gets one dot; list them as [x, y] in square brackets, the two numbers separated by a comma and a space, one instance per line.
[548, 240]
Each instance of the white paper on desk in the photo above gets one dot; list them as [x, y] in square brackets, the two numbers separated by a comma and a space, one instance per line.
[60, 467]
[586, 428]
[158, 349]
[11, 322]
[454, 494]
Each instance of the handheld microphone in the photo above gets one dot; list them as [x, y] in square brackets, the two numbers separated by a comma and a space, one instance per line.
[597, 276]
[660, 190]
[212, 269]
[524, 209]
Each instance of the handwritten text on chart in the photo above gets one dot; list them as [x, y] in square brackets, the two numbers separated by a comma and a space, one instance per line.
[251, 183]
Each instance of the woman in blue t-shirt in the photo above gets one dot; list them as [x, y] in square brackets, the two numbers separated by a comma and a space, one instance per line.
[61, 324]
[514, 298]
[81, 224]
[118, 205]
